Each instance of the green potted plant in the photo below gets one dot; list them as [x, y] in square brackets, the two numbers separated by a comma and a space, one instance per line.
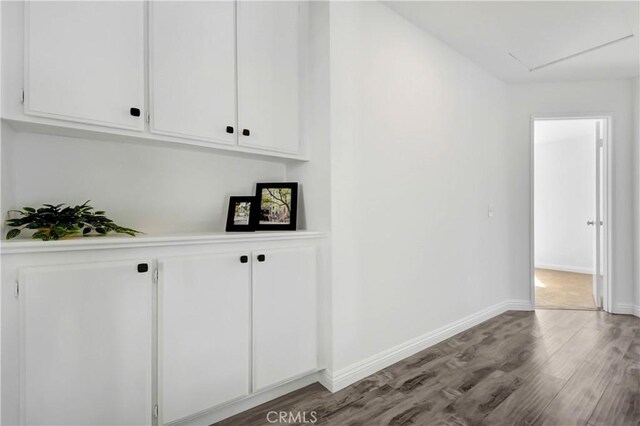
[56, 222]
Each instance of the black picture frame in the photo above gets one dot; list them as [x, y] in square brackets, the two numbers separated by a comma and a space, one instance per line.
[232, 225]
[262, 220]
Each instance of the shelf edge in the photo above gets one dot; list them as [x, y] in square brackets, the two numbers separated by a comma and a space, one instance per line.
[110, 243]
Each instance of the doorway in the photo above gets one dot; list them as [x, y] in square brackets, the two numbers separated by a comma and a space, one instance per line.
[570, 200]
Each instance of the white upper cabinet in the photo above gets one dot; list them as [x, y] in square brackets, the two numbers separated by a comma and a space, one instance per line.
[84, 62]
[192, 70]
[86, 344]
[269, 40]
[225, 74]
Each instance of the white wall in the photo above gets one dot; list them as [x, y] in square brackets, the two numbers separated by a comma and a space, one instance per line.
[314, 198]
[155, 189]
[418, 144]
[565, 171]
[613, 96]
[636, 221]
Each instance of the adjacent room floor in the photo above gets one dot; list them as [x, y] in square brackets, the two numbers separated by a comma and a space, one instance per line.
[564, 290]
[556, 367]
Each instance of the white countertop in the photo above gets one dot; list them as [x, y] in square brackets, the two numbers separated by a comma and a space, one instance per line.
[123, 241]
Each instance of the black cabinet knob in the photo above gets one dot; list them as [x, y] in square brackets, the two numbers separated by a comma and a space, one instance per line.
[229, 129]
[143, 267]
[135, 112]
[246, 132]
[261, 258]
[244, 259]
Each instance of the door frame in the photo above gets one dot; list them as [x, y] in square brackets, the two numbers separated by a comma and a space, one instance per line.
[607, 286]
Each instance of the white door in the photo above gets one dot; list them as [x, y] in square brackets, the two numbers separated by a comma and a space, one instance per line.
[284, 315]
[84, 62]
[204, 332]
[86, 344]
[598, 222]
[269, 74]
[192, 66]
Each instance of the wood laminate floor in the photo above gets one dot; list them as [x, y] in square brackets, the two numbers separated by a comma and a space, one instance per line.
[548, 367]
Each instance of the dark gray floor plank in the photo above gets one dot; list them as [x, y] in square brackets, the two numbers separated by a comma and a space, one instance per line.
[526, 404]
[576, 401]
[258, 415]
[633, 353]
[418, 409]
[571, 355]
[619, 405]
[545, 367]
[531, 358]
[626, 373]
[482, 399]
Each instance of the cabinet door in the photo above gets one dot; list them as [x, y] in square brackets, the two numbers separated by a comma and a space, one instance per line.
[86, 344]
[84, 61]
[192, 66]
[203, 314]
[284, 315]
[268, 74]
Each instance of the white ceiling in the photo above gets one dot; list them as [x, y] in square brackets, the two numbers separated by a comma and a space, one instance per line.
[558, 130]
[536, 32]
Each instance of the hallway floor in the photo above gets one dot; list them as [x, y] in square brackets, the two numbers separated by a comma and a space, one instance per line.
[552, 367]
[564, 290]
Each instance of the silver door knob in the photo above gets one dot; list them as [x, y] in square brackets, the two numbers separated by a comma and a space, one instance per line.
[591, 222]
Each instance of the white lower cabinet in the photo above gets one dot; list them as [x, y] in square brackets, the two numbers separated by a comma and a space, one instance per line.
[284, 315]
[213, 309]
[226, 326]
[204, 326]
[86, 344]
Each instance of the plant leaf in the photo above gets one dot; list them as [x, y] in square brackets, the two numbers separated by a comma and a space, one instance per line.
[52, 222]
[40, 234]
[13, 233]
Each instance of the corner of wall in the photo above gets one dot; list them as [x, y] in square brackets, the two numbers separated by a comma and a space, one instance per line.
[636, 184]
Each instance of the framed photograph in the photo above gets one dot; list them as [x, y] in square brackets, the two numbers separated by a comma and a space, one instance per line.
[277, 206]
[239, 216]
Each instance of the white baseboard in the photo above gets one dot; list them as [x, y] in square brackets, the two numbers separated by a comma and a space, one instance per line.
[231, 409]
[626, 309]
[519, 305]
[565, 268]
[334, 381]
[346, 376]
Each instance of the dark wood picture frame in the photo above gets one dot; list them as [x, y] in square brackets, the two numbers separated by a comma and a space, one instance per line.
[232, 226]
[261, 220]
